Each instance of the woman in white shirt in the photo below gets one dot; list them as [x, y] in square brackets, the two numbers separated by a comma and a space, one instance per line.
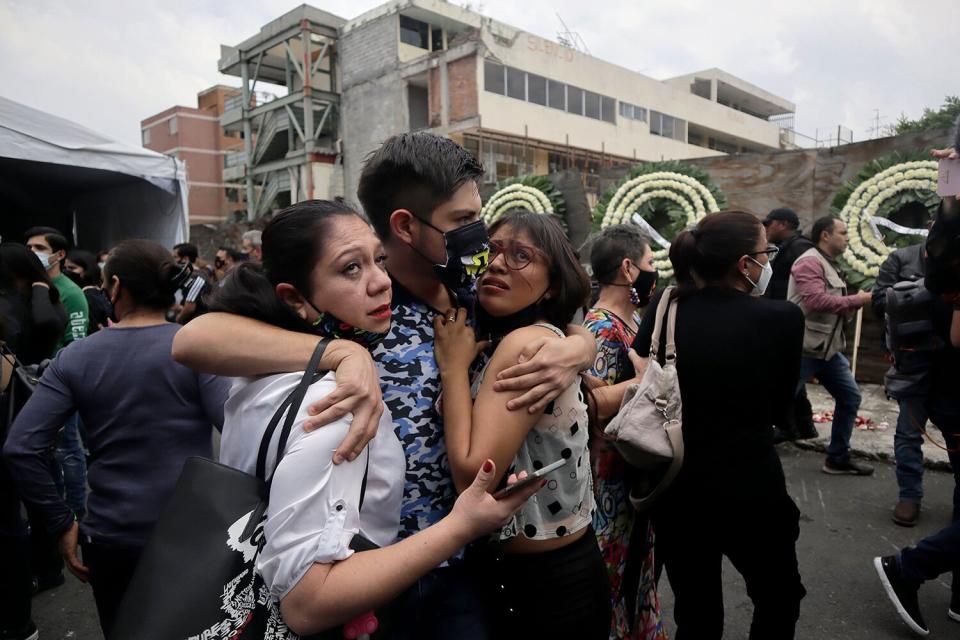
[323, 272]
[546, 577]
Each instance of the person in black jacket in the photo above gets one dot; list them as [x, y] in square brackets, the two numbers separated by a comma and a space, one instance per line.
[908, 388]
[783, 230]
[738, 362]
[33, 321]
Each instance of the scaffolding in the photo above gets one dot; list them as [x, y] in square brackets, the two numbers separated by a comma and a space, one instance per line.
[290, 141]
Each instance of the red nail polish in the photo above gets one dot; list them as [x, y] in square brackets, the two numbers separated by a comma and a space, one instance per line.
[487, 466]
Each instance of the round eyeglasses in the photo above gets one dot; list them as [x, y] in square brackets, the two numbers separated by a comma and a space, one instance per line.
[516, 255]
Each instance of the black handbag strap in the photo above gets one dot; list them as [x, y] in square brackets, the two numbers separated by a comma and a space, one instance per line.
[290, 406]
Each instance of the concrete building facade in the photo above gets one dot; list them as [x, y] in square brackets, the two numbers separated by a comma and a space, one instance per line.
[522, 104]
[194, 135]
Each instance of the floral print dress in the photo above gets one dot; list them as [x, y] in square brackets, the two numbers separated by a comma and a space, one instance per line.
[626, 541]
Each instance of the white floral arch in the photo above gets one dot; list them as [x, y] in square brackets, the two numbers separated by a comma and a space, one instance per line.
[694, 198]
[866, 250]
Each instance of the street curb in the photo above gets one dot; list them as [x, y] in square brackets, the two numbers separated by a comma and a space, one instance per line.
[821, 446]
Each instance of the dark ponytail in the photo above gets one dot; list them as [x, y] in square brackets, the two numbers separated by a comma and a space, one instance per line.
[146, 272]
[292, 244]
[710, 250]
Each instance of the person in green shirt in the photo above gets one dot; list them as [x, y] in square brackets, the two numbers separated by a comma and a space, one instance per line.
[51, 247]
[70, 463]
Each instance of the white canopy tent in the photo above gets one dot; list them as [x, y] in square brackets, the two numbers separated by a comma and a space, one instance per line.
[55, 172]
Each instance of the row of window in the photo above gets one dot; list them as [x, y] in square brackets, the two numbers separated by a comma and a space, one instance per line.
[515, 83]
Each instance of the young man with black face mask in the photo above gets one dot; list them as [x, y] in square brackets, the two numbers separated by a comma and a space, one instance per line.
[420, 192]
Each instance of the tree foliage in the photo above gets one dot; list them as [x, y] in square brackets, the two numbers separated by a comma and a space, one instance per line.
[940, 118]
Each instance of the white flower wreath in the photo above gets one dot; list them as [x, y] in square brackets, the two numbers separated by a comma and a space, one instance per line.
[866, 250]
[515, 196]
[693, 197]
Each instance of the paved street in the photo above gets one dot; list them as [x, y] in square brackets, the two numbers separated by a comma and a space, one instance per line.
[845, 522]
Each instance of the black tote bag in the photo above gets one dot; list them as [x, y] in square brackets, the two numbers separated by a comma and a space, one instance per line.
[196, 578]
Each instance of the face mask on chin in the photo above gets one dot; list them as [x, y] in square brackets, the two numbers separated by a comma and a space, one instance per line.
[468, 255]
[330, 326]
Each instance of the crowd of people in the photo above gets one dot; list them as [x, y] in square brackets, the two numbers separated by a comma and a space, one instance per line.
[458, 358]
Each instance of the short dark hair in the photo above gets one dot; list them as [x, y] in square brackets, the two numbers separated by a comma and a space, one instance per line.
[822, 224]
[293, 241]
[146, 272]
[56, 240]
[569, 284]
[413, 171]
[187, 250]
[235, 254]
[714, 245]
[611, 246]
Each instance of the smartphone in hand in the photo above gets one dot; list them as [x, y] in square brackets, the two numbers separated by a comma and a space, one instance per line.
[530, 479]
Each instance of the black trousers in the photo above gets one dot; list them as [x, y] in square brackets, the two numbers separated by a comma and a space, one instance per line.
[15, 574]
[111, 569]
[759, 538]
[558, 594]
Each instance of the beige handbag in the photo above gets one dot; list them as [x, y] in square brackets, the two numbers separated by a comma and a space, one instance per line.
[648, 428]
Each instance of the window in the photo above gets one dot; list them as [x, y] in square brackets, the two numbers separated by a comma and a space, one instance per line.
[493, 77]
[536, 89]
[575, 100]
[145, 134]
[631, 111]
[172, 124]
[414, 32]
[516, 84]
[436, 39]
[667, 126]
[557, 95]
[591, 105]
[608, 109]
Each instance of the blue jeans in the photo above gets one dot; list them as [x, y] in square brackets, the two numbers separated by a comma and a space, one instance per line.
[71, 474]
[445, 603]
[835, 376]
[907, 448]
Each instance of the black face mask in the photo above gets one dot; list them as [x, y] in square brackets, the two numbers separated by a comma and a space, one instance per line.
[645, 285]
[468, 255]
[77, 279]
[642, 288]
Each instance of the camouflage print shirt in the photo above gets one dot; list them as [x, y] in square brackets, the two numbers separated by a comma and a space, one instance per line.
[410, 380]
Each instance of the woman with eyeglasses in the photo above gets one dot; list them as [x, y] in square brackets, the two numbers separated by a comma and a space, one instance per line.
[544, 573]
[738, 361]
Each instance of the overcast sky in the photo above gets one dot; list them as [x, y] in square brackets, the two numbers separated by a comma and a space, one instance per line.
[107, 64]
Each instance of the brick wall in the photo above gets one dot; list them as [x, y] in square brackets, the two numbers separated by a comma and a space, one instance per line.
[462, 87]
